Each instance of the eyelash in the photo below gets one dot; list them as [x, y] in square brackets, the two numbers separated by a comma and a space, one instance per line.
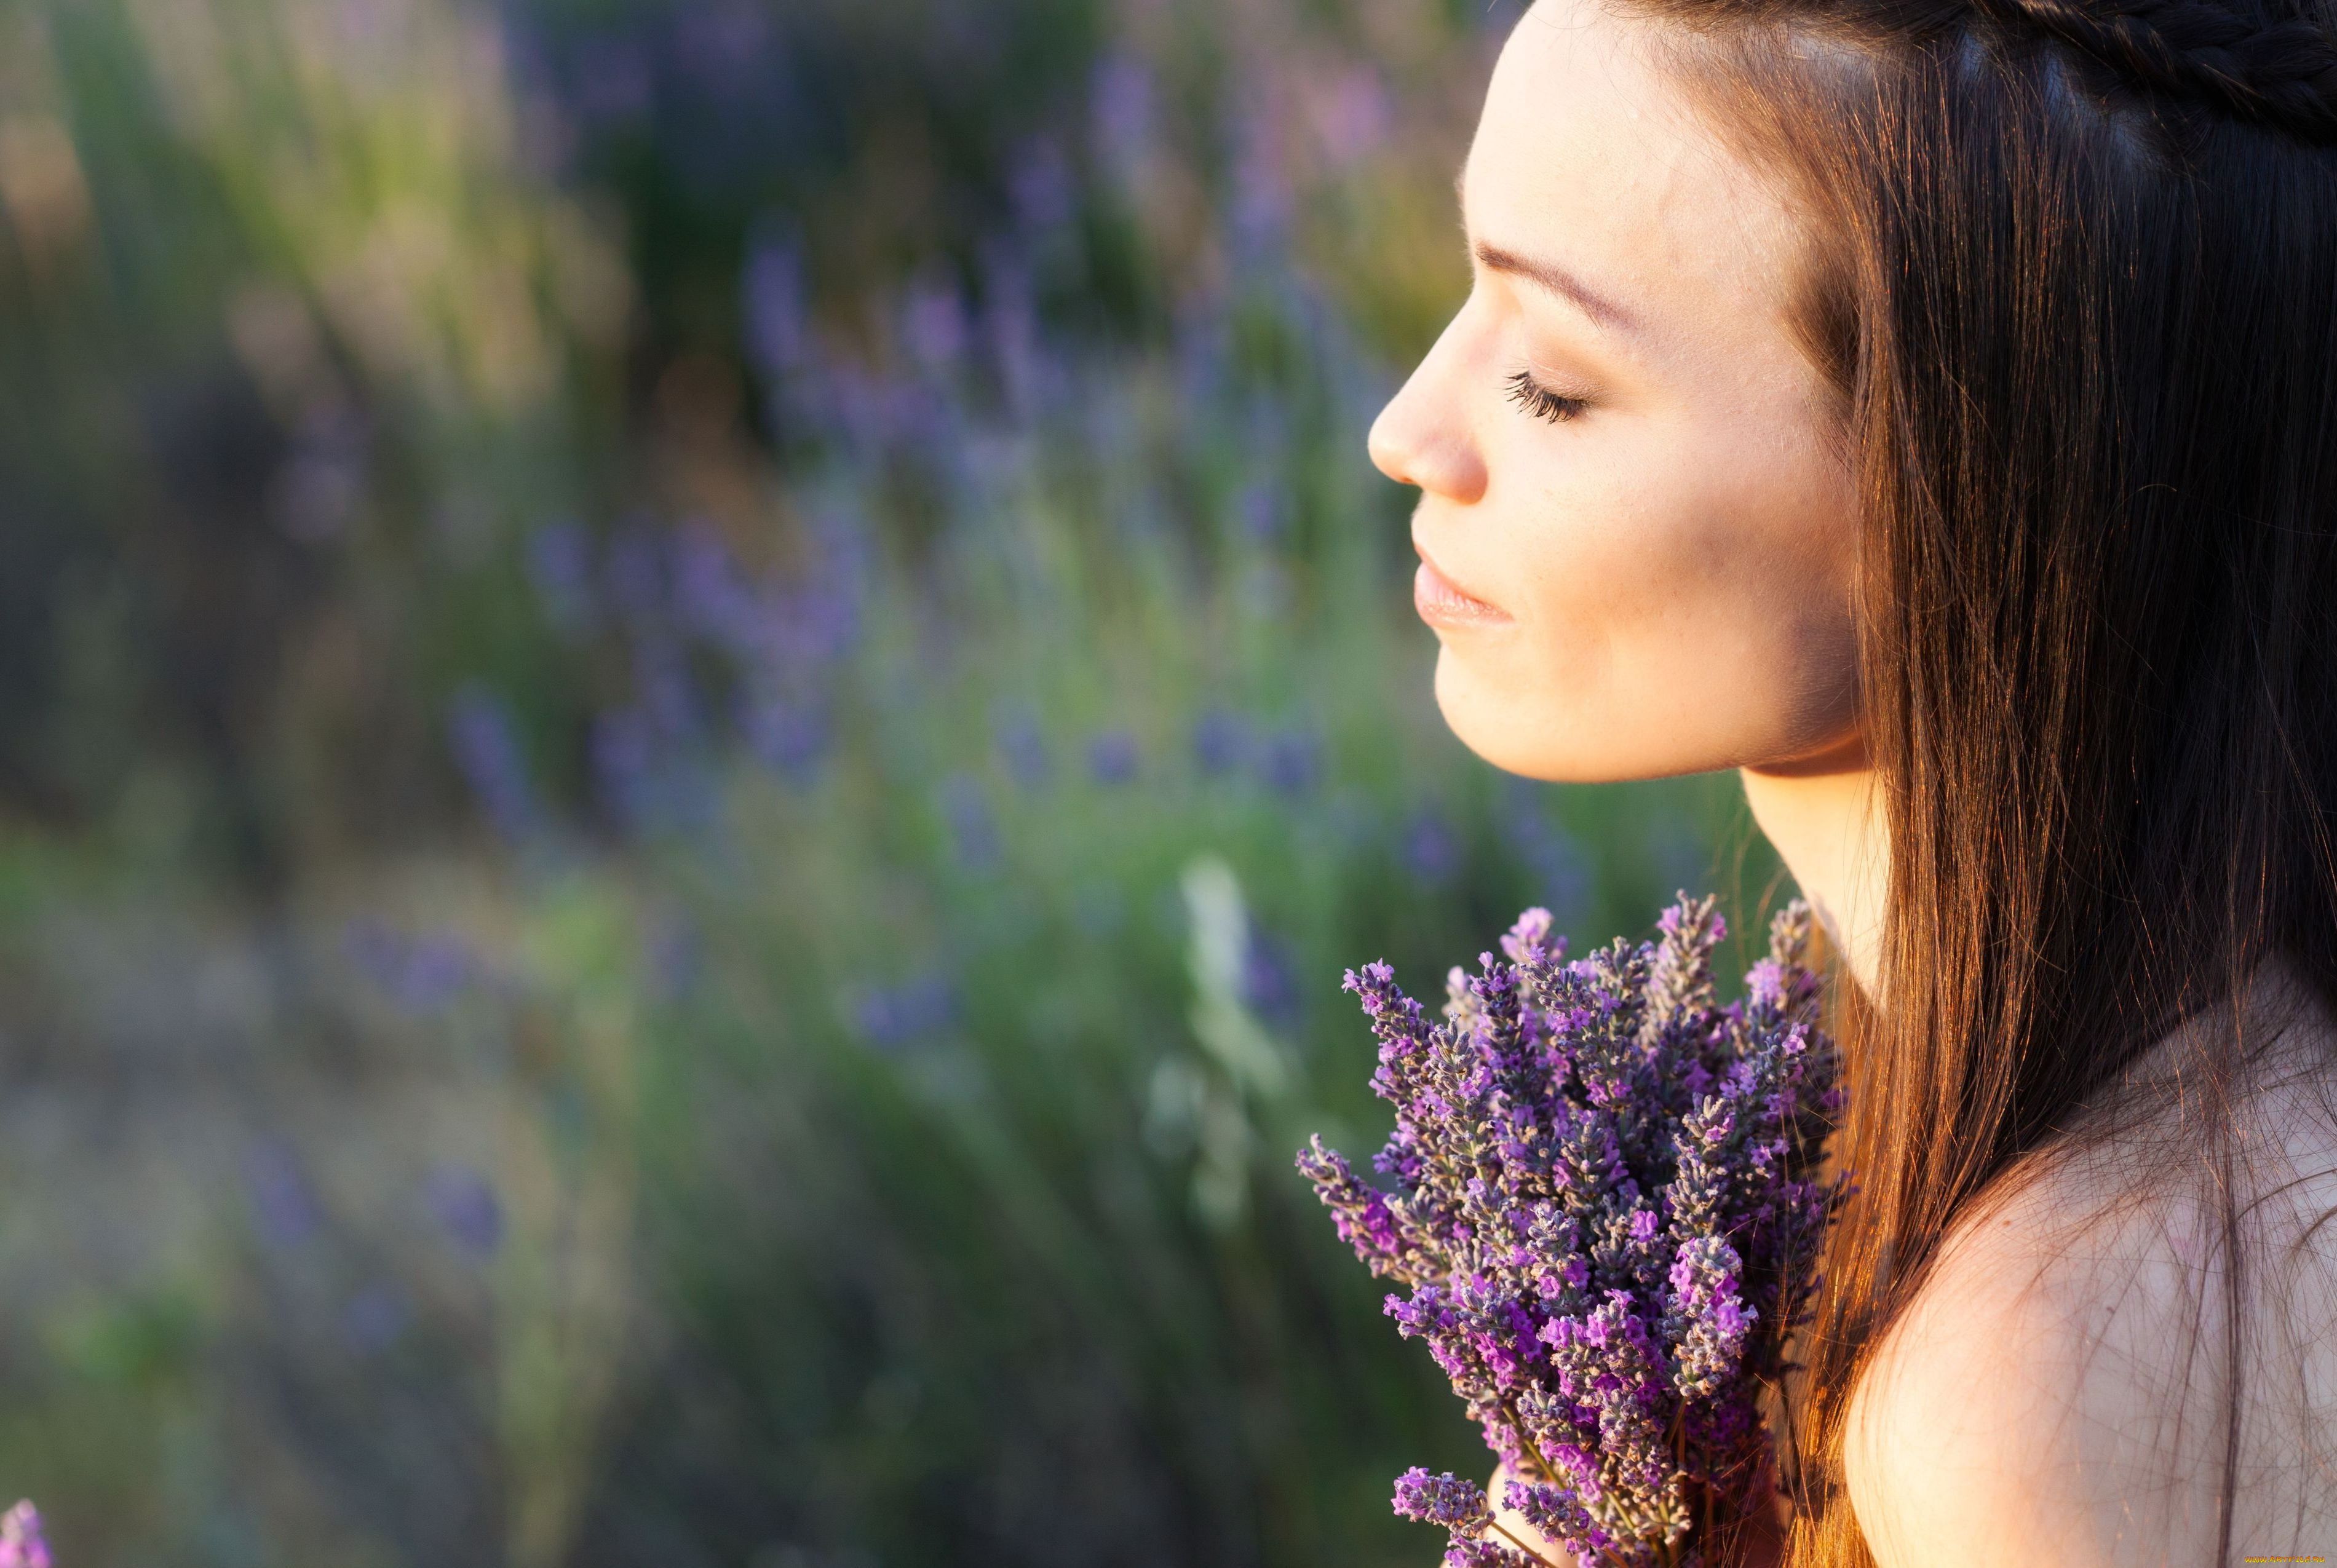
[1542, 403]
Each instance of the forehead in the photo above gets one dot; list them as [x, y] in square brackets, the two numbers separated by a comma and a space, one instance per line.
[1593, 152]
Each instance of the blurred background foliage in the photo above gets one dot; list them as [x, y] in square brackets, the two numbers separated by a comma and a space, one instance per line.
[698, 698]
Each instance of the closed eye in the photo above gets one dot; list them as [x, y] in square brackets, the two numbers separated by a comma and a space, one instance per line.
[1542, 403]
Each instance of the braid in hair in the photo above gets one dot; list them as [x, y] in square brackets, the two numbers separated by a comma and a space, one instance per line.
[2281, 73]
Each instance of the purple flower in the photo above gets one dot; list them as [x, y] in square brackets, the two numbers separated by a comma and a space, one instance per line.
[465, 1202]
[1548, 849]
[488, 754]
[624, 766]
[890, 1017]
[1459, 1505]
[790, 738]
[1260, 206]
[772, 291]
[633, 572]
[935, 328]
[420, 976]
[1291, 762]
[1022, 748]
[281, 1198]
[712, 597]
[560, 567]
[668, 694]
[1044, 194]
[972, 827]
[1430, 849]
[612, 81]
[21, 1544]
[1352, 117]
[670, 956]
[1264, 513]
[1268, 984]
[1121, 108]
[1221, 742]
[1604, 1255]
[723, 50]
[374, 1319]
[1112, 757]
[1011, 331]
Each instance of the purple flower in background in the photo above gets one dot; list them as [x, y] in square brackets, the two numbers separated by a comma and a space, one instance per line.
[724, 48]
[1548, 849]
[634, 571]
[1221, 742]
[1430, 849]
[1268, 982]
[281, 1198]
[1291, 763]
[488, 754]
[669, 692]
[560, 569]
[1022, 748]
[1203, 345]
[871, 412]
[419, 976]
[1352, 115]
[1026, 376]
[623, 767]
[790, 738]
[1264, 514]
[611, 81]
[1044, 194]
[973, 828]
[934, 326]
[891, 1017]
[465, 1202]
[1119, 106]
[21, 1542]
[712, 597]
[1606, 1215]
[1112, 757]
[671, 954]
[1261, 189]
[374, 1319]
[1680, 856]
[773, 293]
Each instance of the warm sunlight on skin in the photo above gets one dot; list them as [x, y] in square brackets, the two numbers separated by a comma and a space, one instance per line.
[1636, 532]
[1637, 536]
[1639, 540]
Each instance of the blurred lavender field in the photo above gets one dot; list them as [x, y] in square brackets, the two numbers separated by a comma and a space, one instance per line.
[698, 698]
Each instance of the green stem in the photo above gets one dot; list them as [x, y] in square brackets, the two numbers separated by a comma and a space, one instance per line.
[1527, 1445]
[1546, 1562]
[1522, 1546]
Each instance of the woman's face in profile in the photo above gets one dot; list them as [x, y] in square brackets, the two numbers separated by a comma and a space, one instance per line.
[1637, 529]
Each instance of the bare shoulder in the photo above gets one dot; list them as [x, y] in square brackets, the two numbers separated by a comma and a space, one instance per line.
[2058, 1393]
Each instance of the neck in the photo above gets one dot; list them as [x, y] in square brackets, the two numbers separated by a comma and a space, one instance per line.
[1823, 814]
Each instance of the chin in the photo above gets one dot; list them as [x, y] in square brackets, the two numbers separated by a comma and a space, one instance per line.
[1527, 733]
[1511, 731]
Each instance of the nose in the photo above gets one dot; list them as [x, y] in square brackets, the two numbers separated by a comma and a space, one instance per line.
[1423, 437]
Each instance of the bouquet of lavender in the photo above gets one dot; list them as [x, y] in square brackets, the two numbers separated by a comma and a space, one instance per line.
[1607, 1214]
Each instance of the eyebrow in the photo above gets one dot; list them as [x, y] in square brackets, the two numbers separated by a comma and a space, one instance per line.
[1549, 275]
[1558, 280]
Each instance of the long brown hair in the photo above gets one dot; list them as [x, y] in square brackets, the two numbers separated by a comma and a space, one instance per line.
[2074, 273]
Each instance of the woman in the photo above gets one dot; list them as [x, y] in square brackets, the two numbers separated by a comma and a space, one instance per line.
[1929, 408]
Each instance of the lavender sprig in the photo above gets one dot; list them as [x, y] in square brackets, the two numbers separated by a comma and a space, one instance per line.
[1606, 1216]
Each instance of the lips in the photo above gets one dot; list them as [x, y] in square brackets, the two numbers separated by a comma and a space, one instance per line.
[1443, 602]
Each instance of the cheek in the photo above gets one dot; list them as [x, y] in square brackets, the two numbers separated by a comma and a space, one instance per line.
[1682, 601]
